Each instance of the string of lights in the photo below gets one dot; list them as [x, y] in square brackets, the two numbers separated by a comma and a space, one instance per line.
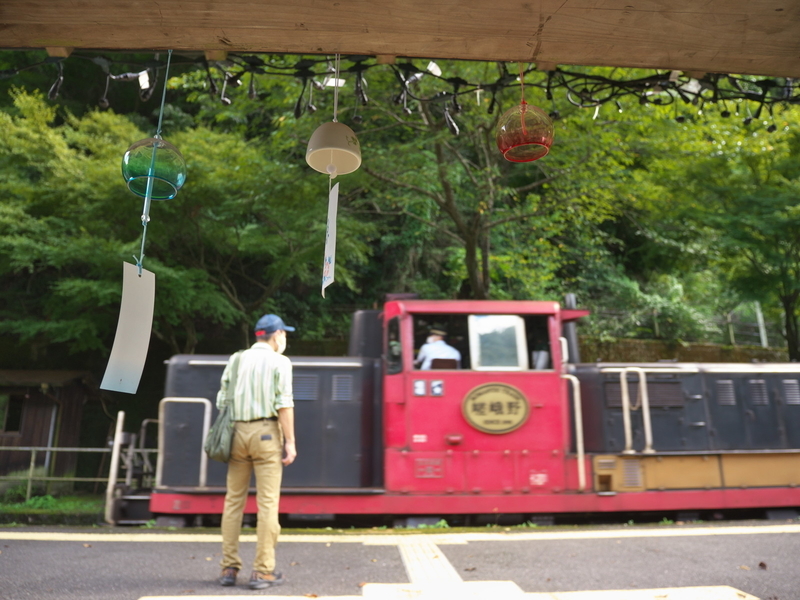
[750, 96]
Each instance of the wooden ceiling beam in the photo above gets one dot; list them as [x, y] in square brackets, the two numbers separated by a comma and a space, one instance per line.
[715, 36]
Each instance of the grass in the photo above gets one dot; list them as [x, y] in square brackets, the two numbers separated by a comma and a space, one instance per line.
[65, 505]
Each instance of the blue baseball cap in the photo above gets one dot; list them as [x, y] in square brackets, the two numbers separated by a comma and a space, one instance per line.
[271, 324]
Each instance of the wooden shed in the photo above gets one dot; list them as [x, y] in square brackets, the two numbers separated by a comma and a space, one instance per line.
[44, 409]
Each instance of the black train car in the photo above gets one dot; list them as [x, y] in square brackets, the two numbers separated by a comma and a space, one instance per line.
[711, 426]
[335, 401]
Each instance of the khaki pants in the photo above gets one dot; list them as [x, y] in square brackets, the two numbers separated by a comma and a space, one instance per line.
[256, 445]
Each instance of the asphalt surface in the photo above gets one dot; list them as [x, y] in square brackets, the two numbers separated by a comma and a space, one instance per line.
[759, 558]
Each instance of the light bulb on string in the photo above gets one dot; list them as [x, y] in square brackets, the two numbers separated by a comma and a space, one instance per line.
[52, 94]
[251, 92]
[299, 105]
[103, 102]
[310, 106]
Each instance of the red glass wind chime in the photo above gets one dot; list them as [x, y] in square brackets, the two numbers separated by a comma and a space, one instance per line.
[525, 131]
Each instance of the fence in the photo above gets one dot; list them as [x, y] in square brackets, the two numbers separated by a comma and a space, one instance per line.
[31, 477]
[129, 462]
[743, 326]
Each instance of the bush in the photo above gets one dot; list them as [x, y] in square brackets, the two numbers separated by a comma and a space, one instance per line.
[41, 502]
[16, 494]
[10, 488]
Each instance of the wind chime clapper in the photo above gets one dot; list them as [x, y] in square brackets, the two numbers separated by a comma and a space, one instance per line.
[154, 170]
[525, 131]
[334, 150]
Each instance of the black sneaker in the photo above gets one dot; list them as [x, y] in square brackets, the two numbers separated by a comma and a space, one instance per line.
[228, 576]
[259, 580]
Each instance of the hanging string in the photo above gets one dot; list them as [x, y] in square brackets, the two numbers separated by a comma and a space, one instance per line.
[523, 105]
[336, 87]
[164, 95]
[148, 196]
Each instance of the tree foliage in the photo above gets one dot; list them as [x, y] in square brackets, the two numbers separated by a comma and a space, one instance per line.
[660, 225]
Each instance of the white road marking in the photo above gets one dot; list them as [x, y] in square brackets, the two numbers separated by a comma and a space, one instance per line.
[718, 592]
[469, 590]
[501, 590]
[431, 574]
[426, 564]
[378, 539]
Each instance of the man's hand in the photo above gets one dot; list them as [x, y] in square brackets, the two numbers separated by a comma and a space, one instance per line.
[289, 453]
[286, 419]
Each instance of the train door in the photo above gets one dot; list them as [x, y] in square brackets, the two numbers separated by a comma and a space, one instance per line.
[727, 417]
[789, 393]
[761, 412]
[333, 400]
[743, 414]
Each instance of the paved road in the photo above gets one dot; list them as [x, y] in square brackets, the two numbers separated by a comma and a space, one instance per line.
[760, 559]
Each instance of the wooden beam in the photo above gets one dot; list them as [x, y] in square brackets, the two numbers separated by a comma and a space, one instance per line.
[216, 55]
[714, 36]
[59, 51]
[386, 59]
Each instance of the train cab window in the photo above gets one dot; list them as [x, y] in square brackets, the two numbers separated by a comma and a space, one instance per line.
[498, 343]
[453, 354]
[394, 353]
[538, 338]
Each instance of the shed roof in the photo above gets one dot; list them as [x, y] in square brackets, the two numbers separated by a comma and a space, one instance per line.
[21, 378]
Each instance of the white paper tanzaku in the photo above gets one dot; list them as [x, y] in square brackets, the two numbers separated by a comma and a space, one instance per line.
[330, 239]
[126, 363]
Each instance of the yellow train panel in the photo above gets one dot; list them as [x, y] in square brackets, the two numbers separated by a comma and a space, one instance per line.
[637, 473]
[681, 472]
[760, 470]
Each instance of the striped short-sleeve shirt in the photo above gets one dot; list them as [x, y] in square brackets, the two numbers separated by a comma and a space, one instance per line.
[263, 384]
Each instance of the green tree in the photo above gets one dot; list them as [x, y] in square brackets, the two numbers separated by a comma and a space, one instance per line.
[507, 222]
[751, 201]
[244, 229]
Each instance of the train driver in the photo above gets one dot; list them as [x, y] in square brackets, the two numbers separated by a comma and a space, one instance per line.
[435, 347]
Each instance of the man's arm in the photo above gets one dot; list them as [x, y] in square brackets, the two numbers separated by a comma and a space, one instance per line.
[224, 382]
[421, 355]
[286, 419]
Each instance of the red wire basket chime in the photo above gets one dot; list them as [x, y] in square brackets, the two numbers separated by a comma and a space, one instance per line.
[524, 132]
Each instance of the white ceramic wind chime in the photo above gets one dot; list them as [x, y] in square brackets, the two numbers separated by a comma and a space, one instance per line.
[334, 150]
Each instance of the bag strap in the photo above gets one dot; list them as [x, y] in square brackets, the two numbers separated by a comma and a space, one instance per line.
[231, 390]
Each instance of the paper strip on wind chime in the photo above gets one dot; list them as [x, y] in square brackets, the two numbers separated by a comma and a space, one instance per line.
[330, 239]
[126, 363]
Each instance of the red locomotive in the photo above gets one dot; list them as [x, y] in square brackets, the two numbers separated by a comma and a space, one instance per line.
[512, 427]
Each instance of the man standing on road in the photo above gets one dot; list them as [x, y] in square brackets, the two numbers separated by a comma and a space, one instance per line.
[435, 347]
[263, 440]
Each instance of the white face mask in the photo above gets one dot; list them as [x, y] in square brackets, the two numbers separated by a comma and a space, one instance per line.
[430, 339]
[281, 344]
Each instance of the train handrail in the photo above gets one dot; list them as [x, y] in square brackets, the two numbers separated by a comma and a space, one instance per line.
[564, 346]
[644, 401]
[576, 399]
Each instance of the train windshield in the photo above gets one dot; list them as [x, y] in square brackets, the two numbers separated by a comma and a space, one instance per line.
[497, 343]
[481, 342]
